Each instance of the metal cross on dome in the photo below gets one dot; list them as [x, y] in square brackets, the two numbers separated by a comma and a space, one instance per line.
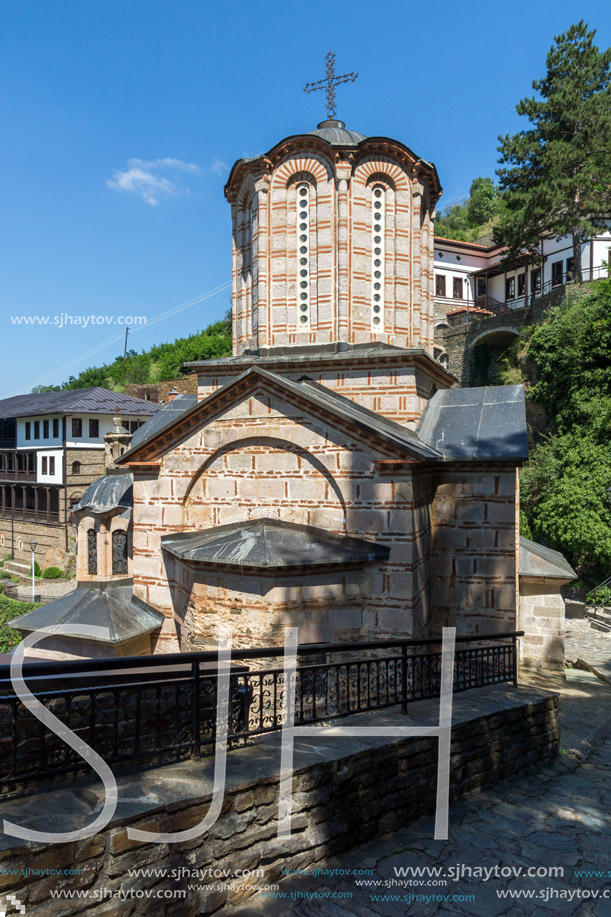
[329, 83]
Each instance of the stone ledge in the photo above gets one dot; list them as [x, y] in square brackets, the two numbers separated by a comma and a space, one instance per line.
[345, 789]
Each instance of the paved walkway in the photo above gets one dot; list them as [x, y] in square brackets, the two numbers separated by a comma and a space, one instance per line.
[559, 817]
[584, 642]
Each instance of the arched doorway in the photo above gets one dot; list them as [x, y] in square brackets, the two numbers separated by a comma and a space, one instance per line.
[486, 355]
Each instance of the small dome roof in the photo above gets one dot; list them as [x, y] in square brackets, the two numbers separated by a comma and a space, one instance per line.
[111, 491]
[335, 133]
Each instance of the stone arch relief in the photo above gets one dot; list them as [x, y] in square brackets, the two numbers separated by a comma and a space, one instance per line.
[264, 477]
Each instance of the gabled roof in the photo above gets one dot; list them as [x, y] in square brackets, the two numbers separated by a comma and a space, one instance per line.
[307, 392]
[76, 401]
[537, 560]
[487, 423]
[110, 605]
[270, 544]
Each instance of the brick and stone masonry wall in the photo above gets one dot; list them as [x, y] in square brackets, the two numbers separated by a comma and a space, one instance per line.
[542, 617]
[473, 555]
[265, 251]
[398, 392]
[336, 804]
[264, 458]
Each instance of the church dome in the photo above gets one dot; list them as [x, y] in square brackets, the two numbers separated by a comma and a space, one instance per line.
[335, 133]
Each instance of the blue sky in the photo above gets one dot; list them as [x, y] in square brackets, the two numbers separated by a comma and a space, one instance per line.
[121, 120]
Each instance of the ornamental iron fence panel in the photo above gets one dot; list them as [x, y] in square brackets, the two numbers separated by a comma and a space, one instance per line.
[143, 711]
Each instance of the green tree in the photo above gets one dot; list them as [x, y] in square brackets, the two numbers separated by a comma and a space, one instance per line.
[473, 217]
[567, 360]
[555, 178]
[159, 363]
[482, 205]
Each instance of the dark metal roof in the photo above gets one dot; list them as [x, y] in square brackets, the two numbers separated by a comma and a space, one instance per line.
[537, 560]
[477, 423]
[269, 544]
[110, 605]
[336, 134]
[107, 493]
[306, 354]
[76, 401]
[165, 417]
[320, 396]
[389, 430]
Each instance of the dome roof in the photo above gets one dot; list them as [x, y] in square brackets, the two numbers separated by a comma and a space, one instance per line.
[335, 133]
[111, 491]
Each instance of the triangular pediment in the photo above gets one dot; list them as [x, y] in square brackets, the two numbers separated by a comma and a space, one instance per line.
[386, 437]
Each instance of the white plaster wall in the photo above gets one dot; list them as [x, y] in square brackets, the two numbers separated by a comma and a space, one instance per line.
[106, 426]
[58, 477]
[23, 443]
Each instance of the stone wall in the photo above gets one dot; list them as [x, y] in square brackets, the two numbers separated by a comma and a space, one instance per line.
[399, 392]
[473, 553]
[51, 540]
[543, 620]
[461, 341]
[350, 792]
[266, 458]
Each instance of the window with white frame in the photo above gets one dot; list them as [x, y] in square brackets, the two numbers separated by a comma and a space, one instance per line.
[303, 256]
[378, 212]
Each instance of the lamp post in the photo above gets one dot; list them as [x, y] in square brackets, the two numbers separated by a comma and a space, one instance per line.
[33, 545]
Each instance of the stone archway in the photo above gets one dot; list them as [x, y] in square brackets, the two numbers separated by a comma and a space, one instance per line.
[264, 476]
[486, 354]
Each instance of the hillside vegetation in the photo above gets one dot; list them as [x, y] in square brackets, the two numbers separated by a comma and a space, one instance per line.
[158, 364]
[565, 363]
[474, 218]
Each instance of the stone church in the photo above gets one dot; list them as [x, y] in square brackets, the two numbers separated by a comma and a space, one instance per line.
[327, 474]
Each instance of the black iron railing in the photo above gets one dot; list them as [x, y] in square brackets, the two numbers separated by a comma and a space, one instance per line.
[560, 281]
[147, 710]
[600, 596]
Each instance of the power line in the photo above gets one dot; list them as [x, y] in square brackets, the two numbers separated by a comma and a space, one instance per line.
[115, 337]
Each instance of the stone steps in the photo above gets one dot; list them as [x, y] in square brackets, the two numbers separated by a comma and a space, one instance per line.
[23, 571]
[600, 618]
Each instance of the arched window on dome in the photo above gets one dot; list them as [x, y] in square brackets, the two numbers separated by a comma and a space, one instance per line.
[303, 205]
[378, 214]
[253, 222]
[119, 552]
[92, 552]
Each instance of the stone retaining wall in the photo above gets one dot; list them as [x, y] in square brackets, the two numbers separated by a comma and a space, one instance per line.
[347, 792]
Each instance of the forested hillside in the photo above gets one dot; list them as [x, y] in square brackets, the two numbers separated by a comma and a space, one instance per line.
[157, 364]
[474, 218]
[565, 363]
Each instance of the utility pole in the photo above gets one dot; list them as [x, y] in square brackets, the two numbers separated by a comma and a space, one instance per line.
[124, 356]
